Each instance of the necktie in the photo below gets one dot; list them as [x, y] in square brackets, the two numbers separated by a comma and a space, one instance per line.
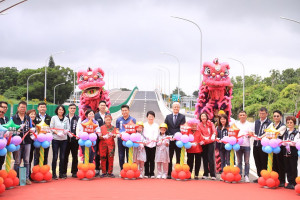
[174, 120]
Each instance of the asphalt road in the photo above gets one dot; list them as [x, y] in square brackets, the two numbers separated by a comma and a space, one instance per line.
[117, 97]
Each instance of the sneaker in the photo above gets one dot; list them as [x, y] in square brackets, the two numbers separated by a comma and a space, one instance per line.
[213, 178]
[28, 182]
[204, 177]
[111, 175]
[221, 179]
[169, 177]
[290, 186]
[196, 178]
[164, 176]
[152, 176]
[141, 176]
[145, 176]
[97, 173]
[255, 181]
[247, 179]
[103, 175]
[158, 176]
[281, 185]
[74, 175]
[54, 177]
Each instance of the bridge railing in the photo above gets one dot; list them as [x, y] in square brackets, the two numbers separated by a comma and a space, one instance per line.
[114, 109]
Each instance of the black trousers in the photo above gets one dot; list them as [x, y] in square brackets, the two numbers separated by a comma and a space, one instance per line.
[278, 165]
[172, 148]
[190, 161]
[2, 159]
[260, 158]
[72, 147]
[290, 164]
[97, 156]
[150, 161]
[208, 155]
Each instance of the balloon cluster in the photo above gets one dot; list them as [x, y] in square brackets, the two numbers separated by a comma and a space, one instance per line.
[86, 170]
[183, 140]
[41, 173]
[129, 140]
[297, 187]
[298, 147]
[271, 145]
[87, 140]
[268, 179]
[232, 143]
[43, 140]
[9, 178]
[130, 171]
[181, 172]
[2, 186]
[231, 174]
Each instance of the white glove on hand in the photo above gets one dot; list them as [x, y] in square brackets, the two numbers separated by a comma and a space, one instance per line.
[141, 146]
[32, 136]
[105, 136]
[32, 130]
[194, 144]
[60, 134]
[66, 132]
[70, 135]
[213, 137]
[159, 143]
[201, 143]
[22, 126]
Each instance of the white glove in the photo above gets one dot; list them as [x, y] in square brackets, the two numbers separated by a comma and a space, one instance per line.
[159, 143]
[32, 130]
[194, 144]
[213, 137]
[206, 138]
[141, 146]
[201, 143]
[70, 135]
[172, 139]
[105, 136]
[22, 126]
[99, 134]
[284, 144]
[32, 136]
[60, 134]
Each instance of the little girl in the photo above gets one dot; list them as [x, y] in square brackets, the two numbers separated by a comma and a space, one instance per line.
[107, 146]
[139, 153]
[162, 152]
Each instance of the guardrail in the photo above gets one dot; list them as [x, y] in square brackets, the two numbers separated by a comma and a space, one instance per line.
[114, 109]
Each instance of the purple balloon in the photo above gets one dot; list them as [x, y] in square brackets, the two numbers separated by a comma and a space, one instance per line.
[16, 140]
[84, 136]
[232, 140]
[191, 138]
[49, 137]
[139, 137]
[240, 141]
[133, 137]
[273, 143]
[298, 145]
[225, 139]
[177, 136]
[265, 141]
[125, 136]
[184, 138]
[41, 137]
[3, 143]
[93, 137]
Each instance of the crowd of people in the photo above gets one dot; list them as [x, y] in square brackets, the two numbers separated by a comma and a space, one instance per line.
[156, 148]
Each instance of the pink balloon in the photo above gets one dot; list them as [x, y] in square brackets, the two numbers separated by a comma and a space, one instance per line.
[232, 140]
[191, 138]
[125, 136]
[16, 140]
[184, 138]
[92, 137]
[3, 143]
[133, 137]
[265, 141]
[225, 139]
[240, 141]
[298, 145]
[84, 136]
[177, 136]
[41, 137]
[273, 143]
[139, 137]
[49, 137]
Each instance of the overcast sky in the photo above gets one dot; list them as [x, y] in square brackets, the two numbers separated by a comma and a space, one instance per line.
[125, 38]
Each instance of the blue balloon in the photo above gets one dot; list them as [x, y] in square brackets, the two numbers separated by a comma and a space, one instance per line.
[276, 150]
[88, 143]
[179, 144]
[268, 149]
[136, 144]
[263, 149]
[129, 143]
[299, 153]
[236, 147]
[45, 144]
[11, 148]
[17, 148]
[228, 147]
[187, 145]
[124, 143]
[3, 152]
[37, 144]
[94, 143]
[81, 142]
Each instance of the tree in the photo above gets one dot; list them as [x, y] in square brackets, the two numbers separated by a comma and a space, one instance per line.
[51, 63]
[196, 93]
[182, 94]
[8, 78]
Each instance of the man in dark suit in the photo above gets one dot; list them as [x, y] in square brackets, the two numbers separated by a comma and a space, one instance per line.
[3, 120]
[174, 121]
[42, 115]
[99, 117]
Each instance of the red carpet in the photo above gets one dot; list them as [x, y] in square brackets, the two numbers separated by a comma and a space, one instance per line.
[108, 188]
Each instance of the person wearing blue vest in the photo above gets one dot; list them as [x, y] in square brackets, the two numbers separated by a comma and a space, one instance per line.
[121, 121]
[260, 157]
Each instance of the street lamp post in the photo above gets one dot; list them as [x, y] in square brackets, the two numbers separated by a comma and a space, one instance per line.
[243, 80]
[200, 41]
[54, 91]
[178, 70]
[166, 69]
[28, 83]
[45, 92]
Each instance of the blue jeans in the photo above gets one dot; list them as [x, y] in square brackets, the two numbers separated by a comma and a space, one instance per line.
[22, 153]
[58, 145]
[225, 157]
[122, 150]
[91, 153]
[246, 152]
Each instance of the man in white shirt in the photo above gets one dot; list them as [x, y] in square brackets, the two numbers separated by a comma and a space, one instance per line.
[246, 129]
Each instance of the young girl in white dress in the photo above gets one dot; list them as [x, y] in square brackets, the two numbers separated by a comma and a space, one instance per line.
[139, 153]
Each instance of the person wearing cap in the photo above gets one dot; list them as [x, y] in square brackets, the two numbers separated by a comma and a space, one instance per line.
[139, 153]
[162, 158]
[107, 146]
